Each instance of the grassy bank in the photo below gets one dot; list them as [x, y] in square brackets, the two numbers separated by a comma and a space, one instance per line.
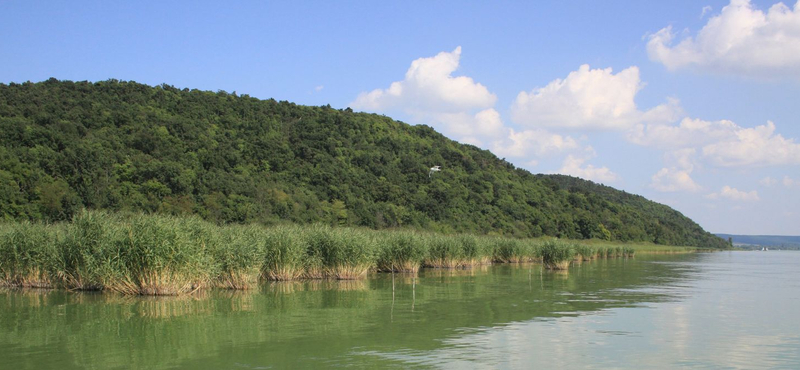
[162, 255]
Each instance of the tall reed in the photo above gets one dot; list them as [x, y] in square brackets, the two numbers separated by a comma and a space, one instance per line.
[239, 256]
[27, 255]
[584, 252]
[401, 251]
[507, 250]
[444, 252]
[87, 258]
[556, 255]
[477, 251]
[161, 255]
[345, 253]
[286, 254]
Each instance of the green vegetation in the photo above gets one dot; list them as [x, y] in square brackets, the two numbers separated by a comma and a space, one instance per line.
[514, 251]
[557, 256]
[285, 255]
[139, 254]
[227, 158]
[401, 251]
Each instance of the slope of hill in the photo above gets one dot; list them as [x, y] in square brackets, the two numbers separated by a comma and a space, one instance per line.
[130, 147]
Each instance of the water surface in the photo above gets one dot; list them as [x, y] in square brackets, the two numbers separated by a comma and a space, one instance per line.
[718, 310]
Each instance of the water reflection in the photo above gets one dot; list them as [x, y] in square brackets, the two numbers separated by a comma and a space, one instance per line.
[610, 311]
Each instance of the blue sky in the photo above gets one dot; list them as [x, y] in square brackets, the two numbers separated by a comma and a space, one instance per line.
[692, 104]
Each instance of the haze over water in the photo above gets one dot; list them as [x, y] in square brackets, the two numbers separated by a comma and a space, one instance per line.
[718, 310]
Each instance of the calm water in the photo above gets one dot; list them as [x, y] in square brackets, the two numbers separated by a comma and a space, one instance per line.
[720, 310]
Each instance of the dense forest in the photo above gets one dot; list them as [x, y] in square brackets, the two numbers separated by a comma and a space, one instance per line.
[125, 146]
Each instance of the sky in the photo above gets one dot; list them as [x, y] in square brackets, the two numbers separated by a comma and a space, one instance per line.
[693, 104]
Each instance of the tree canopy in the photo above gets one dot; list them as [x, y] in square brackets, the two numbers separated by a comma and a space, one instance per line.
[125, 146]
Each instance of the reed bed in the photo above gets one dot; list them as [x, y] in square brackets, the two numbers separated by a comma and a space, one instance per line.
[557, 255]
[584, 253]
[27, 255]
[239, 256]
[286, 254]
[508, 250]
[87, 257]
[445, 252]
[344, 253]
[162, 255]
[138, 254]
[401, 251]
[476, 251]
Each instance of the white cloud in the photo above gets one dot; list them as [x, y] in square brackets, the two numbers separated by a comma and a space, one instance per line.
[319, 88]
[705, 10]
[768, 181]
[429, 87]
[757, 146]
[677, 177]
[722, 143]
[460, 108]
[790, 182]
[689, 133]
[735, 194]
[672, 180]
[588, 99]
[574, 166]
[485, 124]
[533, 142]
[740, 39]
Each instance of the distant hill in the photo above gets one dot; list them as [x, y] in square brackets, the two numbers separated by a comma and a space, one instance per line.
[773, 241]
[126, 146]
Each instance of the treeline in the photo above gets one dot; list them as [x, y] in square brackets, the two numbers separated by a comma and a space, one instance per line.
[230, 158]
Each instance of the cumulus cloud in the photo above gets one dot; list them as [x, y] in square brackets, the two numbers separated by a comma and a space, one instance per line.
[672, 180]
[740, 39]
[722, 143]
[677, 177]
[757, 146]
[533, 142]
[485, 124]
[790, 182]
[587, 99]
[735, 194]
[574, 165]
[460, 108]
[429, 86]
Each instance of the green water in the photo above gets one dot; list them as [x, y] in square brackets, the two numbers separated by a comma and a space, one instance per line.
[719, 310]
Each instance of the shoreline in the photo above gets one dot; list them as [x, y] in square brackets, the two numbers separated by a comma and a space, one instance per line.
[165, 255]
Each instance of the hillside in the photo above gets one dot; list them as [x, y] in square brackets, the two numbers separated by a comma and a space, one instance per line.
[125, 146]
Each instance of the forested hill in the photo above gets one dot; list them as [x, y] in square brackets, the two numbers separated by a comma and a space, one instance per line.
[233, 158]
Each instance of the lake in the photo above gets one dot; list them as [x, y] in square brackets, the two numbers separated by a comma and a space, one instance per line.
[709, 310]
